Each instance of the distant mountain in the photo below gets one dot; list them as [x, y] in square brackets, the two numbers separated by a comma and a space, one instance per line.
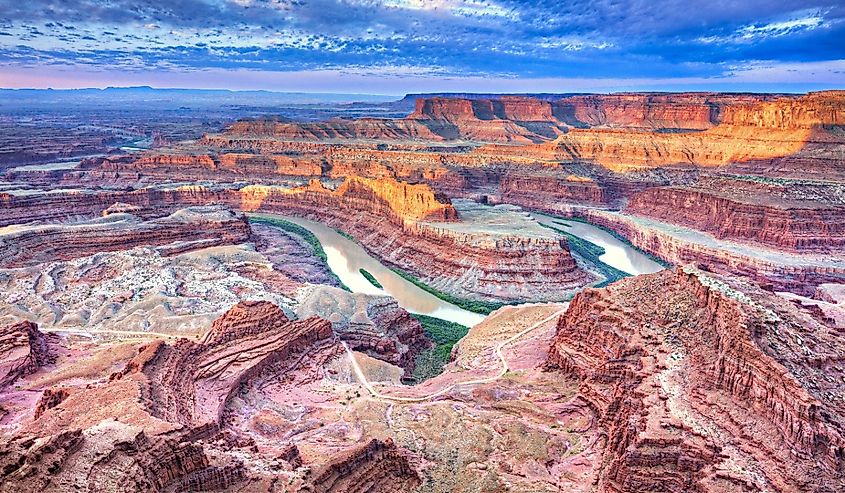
[147, 93]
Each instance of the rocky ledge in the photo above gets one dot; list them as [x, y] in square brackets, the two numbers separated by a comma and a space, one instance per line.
[23, 350]
[703, 384]
[184, 230]
[163, 422]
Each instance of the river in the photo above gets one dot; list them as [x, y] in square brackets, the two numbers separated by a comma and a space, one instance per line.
[346, 258]
[618, 253]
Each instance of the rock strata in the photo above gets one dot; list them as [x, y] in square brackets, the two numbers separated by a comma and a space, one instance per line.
[186, 229]
[190, 382]
[773, 215]
[23, 350]
[378, 466]
[691, 377]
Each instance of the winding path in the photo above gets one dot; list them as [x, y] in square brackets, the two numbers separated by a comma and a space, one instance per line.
[91, 332]
[378, 395]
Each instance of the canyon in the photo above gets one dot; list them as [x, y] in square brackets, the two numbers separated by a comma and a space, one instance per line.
[246, 308]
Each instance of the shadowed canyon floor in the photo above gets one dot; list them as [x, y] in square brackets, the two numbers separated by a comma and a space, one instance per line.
[592, 293]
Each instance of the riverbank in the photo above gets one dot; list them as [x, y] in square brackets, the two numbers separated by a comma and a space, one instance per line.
[346, 258]
[480, 307]
[307, 236]
[444, 335]
[619, 253]
[591, 253]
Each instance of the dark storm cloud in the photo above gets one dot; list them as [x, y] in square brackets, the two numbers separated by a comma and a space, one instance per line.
[604, 38]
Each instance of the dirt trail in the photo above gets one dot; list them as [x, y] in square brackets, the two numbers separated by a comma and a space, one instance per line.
[378, 395]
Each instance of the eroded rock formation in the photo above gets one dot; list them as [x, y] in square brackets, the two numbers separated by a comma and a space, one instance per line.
[23, 350]
[375, 325]
[190, 382]
[186, 229]
[771, 268]
[158, 423]
[697, 383]
[376, 466]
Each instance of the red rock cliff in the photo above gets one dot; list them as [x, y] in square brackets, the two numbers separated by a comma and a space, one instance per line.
[689, 375]
[773, 215]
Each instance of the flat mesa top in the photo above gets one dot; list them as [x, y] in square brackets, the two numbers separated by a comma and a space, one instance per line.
[495, 221]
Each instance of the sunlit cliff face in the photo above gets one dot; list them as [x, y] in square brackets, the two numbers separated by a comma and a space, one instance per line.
[629, 136]
[401, 200]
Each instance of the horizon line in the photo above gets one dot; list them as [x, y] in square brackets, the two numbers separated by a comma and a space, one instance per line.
[515, 93]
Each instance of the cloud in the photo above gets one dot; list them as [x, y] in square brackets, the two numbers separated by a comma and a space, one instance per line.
[798, 23]
[636, 39]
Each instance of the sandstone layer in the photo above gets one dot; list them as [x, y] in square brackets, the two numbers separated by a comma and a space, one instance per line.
[697, 383]
[599, 150]
[377, 466]
[184, 230]
[160, 423]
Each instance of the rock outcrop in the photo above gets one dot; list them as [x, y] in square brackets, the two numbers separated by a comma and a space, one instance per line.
[108, 459]
[158, 424]
[23, 350]
[378, 466]
[64, 206]
[697, 382]
[190, 383]
[375, 325]
[186, 229]
[364, 128]
[208, 166]
[50, 399]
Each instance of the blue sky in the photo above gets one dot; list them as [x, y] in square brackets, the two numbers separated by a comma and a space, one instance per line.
[397, 46]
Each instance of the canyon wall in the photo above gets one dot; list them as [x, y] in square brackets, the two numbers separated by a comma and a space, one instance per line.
[475, 265]
[777, 271]
[364, 128]
[773, 215]
[190, 228]
[673, 362]
[514, 119]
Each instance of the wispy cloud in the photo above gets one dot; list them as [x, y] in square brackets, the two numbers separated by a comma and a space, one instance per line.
[800, 22]
[638, 39]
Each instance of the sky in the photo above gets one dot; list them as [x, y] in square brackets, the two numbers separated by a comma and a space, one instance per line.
[401, 46]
